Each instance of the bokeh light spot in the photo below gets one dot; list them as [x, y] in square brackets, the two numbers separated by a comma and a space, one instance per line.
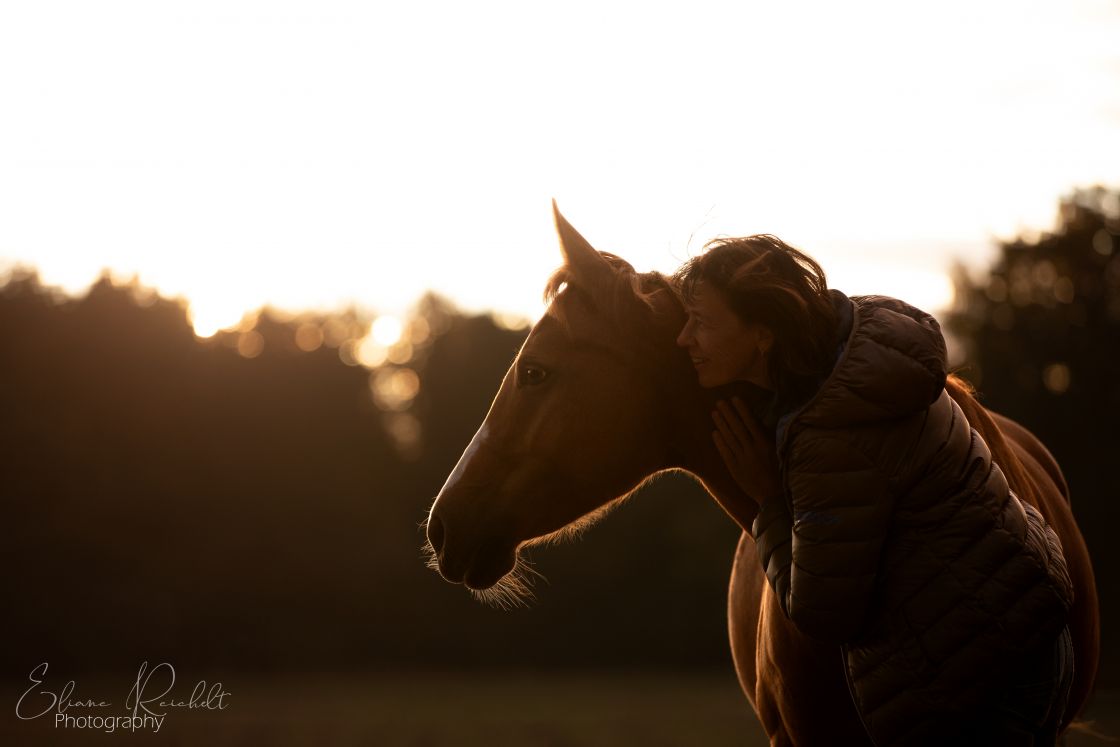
[419, 330]
[404, 429]
[394, 389]
[335, 332]
[996, 289]
[401, 352]
[387, 330]
[511, 322]
[1056, 377]
[1044, 273]
[348, 353]
[309, 337]
[1102, 242]
[208, 317]
[1063, 290]
[369, 352]
[250, 344]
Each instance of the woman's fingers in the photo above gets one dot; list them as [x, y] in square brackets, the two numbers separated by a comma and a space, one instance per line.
[734, 423]
[739, 471]
[748, 419]
[730, 441]
[724, 452]
[731, 459]
[746, 449]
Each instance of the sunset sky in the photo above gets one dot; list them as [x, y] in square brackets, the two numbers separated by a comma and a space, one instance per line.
[314, 154]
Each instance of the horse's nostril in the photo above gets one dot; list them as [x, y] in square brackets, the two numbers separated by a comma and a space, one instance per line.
[435, 533]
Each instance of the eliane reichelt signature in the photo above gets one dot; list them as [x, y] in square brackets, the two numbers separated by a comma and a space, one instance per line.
[150, 696]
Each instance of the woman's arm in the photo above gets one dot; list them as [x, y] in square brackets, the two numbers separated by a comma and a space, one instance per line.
[841, 507]
[820, 541]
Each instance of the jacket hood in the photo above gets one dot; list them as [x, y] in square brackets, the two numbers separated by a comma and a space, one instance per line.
[892, 364]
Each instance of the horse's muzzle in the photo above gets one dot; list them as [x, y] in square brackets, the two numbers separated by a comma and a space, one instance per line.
[478, 564]
[437, 535]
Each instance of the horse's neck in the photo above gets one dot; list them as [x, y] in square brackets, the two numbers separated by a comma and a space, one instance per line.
[694, 451]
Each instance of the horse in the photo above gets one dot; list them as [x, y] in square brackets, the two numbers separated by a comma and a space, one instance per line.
[598, 400]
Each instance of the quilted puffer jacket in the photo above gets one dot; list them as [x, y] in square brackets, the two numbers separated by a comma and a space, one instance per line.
[898, 536]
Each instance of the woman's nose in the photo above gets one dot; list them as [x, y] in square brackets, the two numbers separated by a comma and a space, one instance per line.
[684, 339]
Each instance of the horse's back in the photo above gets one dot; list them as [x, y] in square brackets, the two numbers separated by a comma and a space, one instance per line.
[1034, 475]
[1030, 449]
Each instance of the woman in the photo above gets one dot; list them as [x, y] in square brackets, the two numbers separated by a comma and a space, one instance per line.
[884, 525]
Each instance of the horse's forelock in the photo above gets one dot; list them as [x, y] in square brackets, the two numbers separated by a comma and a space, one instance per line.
[621, 297]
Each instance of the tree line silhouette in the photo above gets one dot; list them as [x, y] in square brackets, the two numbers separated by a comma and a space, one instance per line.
[170, 498]
[249, 501]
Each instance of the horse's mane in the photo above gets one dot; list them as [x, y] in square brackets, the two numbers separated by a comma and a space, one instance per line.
[1002, 454]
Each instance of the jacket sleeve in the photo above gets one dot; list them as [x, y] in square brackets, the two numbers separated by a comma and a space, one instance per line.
[820, 543]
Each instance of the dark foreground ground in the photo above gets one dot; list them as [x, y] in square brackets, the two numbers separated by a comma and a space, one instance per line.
[427, 710]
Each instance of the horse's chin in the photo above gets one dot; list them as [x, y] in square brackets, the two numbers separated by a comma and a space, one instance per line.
[482, 578]
[487, 572]
[495, 574]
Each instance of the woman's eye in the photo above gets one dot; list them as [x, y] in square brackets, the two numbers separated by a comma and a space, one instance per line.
[532, 375]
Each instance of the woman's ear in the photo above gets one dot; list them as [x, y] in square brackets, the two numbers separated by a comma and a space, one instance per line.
[765, 339]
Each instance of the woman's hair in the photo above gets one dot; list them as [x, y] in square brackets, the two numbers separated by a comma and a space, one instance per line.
[766, 281]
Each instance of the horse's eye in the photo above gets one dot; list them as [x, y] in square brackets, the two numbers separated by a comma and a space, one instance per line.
[531, 375]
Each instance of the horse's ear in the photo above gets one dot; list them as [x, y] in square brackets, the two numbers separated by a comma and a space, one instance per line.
[579, 256]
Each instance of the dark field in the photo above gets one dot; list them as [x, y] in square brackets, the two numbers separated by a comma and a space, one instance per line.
[432, 710]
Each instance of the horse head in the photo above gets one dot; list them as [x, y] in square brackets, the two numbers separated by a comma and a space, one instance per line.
[598, 399]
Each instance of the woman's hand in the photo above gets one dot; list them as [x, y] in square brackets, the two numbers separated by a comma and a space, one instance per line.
[747, 450]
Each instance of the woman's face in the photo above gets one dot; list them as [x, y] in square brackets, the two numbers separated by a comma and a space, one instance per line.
[722, 346]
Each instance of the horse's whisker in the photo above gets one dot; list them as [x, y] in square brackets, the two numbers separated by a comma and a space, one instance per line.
[428, 553]
[515, 589]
